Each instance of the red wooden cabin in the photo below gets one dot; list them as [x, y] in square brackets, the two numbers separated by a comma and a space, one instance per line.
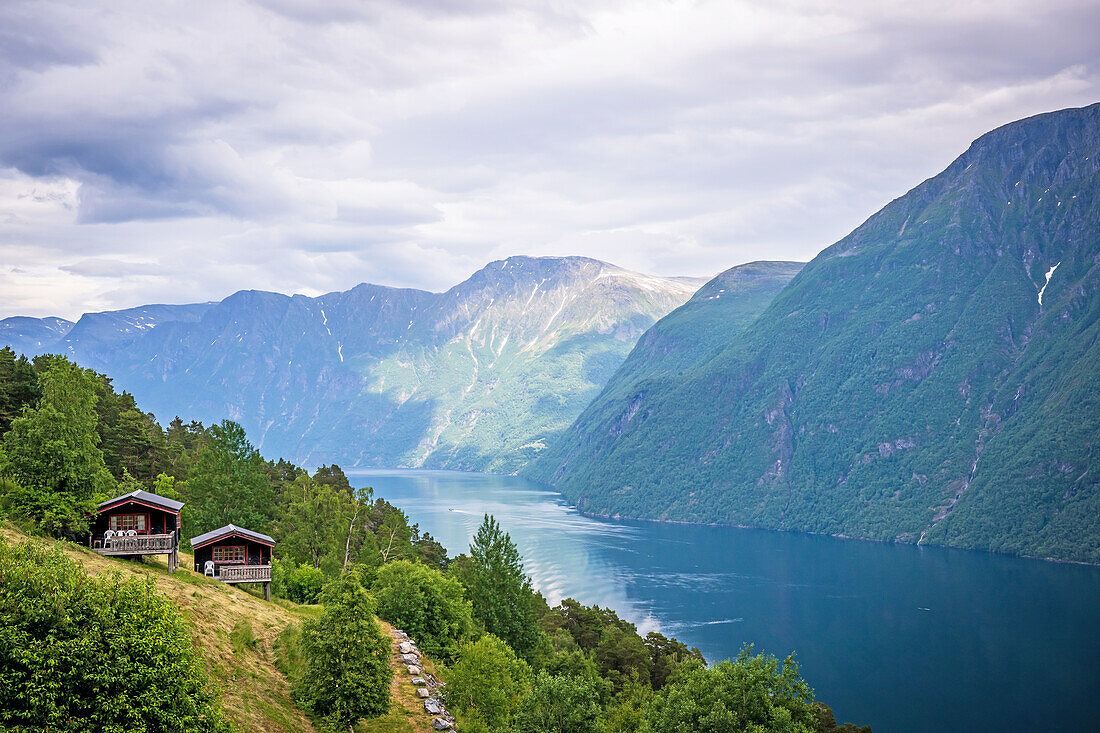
[138, 523]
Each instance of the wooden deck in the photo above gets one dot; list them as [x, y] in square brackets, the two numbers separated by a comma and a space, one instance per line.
[245, 574]
[142, 544]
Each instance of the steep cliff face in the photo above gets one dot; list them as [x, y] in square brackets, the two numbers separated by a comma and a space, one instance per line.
[478, 377]
[931, 377]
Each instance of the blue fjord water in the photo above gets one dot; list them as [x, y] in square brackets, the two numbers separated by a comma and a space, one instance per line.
[901, 638]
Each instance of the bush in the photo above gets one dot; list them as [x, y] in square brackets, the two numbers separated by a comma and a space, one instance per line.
[347, 660]
[485, 685]
[86, 654]
[559, 704]
[299, 583]
[750, 693]
[429, 606]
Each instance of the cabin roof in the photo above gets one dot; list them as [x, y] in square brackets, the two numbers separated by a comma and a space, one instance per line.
[228, 531]
[143, 496]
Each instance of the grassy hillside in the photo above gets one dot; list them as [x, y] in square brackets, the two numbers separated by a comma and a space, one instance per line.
[237, 634]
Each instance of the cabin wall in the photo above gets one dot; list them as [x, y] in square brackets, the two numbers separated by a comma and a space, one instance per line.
[255, 553]
[157, 521]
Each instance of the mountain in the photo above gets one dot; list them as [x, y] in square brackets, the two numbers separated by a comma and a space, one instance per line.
[477, 377]
[677, 343]
[32, 335]
[932, 377]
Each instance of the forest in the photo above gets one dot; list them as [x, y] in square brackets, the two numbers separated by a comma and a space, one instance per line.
[510, 661]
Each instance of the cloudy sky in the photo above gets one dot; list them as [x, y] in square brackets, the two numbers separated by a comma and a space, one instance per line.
[180, 151]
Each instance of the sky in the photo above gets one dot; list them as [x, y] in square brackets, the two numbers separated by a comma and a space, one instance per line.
[172, 152]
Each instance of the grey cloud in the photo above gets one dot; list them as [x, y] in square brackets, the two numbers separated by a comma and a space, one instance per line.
[105, 267]
[288, 145]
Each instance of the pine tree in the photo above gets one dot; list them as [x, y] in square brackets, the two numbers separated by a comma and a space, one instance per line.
[503, 600]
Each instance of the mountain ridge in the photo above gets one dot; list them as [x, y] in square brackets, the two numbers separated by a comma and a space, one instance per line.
[476, 376]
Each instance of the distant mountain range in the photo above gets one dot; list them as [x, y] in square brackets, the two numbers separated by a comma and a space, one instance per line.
[933, 377]
[477, 378]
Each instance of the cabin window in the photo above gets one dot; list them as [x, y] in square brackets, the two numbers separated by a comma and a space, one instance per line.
[231, 553]
[124, 522]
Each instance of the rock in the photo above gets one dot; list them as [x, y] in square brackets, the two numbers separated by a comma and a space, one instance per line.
[419, 681]
[423, 692]
[407, 647]
[413, 669]
[410, 659]
[433, 706]
[441, 724]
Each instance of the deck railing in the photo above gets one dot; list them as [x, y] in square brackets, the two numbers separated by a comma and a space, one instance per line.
[142, 544]
[245, 574]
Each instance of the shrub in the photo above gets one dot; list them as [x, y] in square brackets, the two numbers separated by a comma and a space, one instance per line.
[84, 654]
[757, 693]
[486, 683]
[559, 704]
[299, 583]
[429, 606]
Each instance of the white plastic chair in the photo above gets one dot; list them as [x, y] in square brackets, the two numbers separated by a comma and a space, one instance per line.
[208, 568]
[131, 533]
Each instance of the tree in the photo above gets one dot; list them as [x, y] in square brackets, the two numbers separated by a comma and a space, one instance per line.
[94, 654]
[347, 674]
[486, 684]
[18, 387]
[228, 484]
[757, 693]
[665, 656]
[52, 452]
[428, 605]
[503, 600]
[559, 704]
[311, 527]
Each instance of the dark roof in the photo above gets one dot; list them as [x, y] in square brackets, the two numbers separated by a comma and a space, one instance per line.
[170, 504]
[227, 530]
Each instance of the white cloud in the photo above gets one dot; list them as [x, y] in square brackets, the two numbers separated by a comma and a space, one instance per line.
[180, 152]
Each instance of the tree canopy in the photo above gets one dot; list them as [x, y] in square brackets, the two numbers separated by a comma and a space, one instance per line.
[347, 674]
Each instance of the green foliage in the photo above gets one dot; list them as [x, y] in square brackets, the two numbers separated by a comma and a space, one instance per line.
[301, 583]
[347, 659]
[87, 654]
[52, 453]
[486, 684]
[665, 657]
[425, 603]
[18, 387]
[228, 484]
[503, 601]
[752, 693]
[627, 711]
[559, 704]
[314, 521]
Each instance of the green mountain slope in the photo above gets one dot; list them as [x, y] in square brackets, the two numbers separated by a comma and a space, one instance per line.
[680, 341]
[931, 377]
